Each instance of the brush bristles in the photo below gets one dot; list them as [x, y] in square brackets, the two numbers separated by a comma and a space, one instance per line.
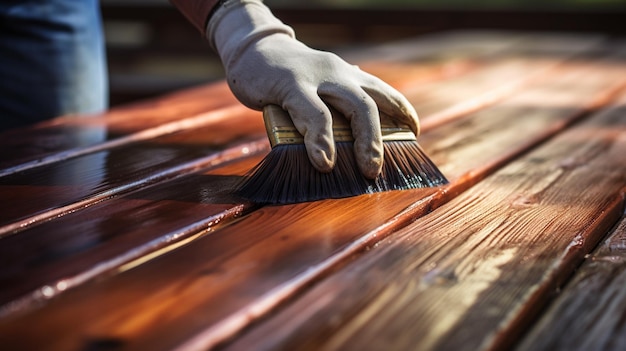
[286, 175]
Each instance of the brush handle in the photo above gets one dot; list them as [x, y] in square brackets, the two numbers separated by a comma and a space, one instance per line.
[281, 130]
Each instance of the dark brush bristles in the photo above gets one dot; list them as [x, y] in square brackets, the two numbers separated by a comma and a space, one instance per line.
[286, 175]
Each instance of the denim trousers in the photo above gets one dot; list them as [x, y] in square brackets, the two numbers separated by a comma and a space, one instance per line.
[52, 60]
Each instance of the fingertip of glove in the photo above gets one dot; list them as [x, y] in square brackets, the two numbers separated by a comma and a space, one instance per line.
[323, 160]
[320, 148]
[369, 158]
[371, 167]
[411, 116]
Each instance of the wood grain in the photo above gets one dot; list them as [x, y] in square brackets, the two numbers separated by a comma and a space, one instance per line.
[246, 269]
[588, 313]
[48, 270]
[473, 273]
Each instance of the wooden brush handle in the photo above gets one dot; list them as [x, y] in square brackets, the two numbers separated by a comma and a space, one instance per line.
[281, 130]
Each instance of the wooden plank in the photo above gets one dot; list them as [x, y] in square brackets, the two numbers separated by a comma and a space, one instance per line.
[589, 312]
[94, 136]
[497, 71]
[475, 272]
[223, 281]
[510, 62]
[476, 90]
[66, 252]
[53, 190]
[66, 137]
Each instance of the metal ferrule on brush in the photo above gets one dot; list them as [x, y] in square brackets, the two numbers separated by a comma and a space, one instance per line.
[281, 130]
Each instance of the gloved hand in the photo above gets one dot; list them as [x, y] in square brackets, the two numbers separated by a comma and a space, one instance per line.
[266, 64]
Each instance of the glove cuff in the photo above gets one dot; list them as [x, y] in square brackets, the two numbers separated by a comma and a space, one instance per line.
[236, 24]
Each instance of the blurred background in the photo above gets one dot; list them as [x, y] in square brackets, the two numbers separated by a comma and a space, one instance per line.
[153, 50]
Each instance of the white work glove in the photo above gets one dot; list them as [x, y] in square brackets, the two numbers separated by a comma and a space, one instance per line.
[266, 64]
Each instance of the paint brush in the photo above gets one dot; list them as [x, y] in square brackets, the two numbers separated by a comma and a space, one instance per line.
[285, 175]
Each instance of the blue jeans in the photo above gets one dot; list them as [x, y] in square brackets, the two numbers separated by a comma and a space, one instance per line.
[52, 60]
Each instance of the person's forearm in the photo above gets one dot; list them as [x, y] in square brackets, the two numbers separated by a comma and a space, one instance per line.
[196, 11]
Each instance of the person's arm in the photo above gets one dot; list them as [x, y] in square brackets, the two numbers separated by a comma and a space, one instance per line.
[265, 64]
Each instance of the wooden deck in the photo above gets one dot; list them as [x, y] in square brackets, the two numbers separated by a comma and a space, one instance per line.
[121, 232]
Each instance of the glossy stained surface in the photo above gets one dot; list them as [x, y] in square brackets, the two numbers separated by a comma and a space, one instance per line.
[35, 191]
[63, 134]
[137, 242]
